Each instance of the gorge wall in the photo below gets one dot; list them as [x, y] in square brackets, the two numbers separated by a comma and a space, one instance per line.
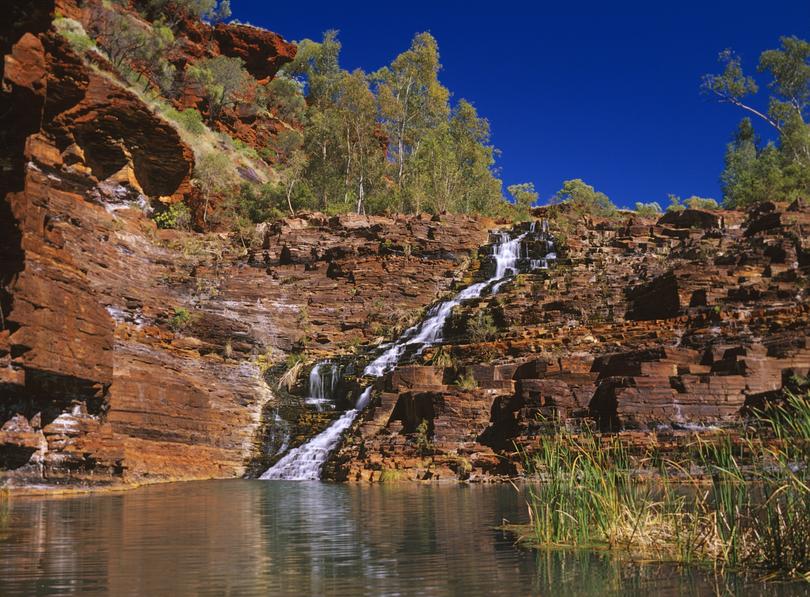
[654, 329]
[130, 354]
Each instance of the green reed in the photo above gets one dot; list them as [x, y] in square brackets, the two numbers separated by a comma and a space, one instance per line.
[754, 514]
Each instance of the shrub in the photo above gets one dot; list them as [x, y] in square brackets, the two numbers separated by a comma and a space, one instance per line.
[584, 200]
[74, 33]
[674, 204]
[180, 320]
[442, 358]
[481, 327]
[190, 119]
[294, 365]
[695, 202]
[421, 438]
[648, 210]
[466, 381]
[176, 216]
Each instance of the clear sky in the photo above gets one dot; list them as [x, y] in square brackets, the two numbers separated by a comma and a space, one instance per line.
[606, 92]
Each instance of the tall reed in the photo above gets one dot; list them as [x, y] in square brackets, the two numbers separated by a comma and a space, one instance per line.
[755, 513]
[4, 500]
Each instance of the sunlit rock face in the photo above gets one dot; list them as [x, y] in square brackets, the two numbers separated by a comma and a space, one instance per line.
[99, 381]
[654, 329]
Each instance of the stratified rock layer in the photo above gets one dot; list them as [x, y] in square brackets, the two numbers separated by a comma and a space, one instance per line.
[652, 329]
[130, 354]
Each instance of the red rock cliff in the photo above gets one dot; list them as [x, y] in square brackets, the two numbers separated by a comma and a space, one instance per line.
[129, 354]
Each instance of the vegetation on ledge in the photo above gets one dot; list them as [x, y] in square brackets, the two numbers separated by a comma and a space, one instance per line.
[755, 513]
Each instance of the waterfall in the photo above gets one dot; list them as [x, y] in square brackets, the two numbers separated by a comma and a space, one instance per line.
[323, 381]
[305, 462]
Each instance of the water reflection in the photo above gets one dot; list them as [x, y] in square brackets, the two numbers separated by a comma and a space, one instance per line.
[283, 538]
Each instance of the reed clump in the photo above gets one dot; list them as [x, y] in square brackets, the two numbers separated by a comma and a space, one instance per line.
[4, 501]
[753, 515]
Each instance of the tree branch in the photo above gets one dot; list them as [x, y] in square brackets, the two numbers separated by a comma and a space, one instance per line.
[735, 101]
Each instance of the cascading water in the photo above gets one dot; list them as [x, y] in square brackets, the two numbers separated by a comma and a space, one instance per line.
[305, 462]
[323, 381]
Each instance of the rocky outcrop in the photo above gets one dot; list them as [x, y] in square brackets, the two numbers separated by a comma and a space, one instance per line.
[263, 52]
[130, 354]
[655, 330]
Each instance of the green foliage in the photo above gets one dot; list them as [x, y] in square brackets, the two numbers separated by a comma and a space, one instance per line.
[524, 195]
[135, 48]
[583, 200]
[258, 204]
[284, 98]
[190, 119]
[648, 210]
[180, 320]
[208, 10]
[481, 327]
[214, 175]
[390, 475]
[4, 501]
[675, 204]
[422, 439]
[757, 516]
[466, 381]
[176, 216]
[754, 172]
[74, 33]
[223, 81]
[442, 357]
[695, 202]
[389, 141]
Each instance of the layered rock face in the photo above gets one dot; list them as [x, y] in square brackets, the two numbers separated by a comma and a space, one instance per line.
[130, 354]
[651, 329]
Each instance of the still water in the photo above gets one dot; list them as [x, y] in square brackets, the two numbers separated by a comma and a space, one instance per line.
[292, 538]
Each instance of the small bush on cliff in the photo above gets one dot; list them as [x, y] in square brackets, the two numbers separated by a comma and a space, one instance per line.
[223, 81]
[466, 381]
[175, 216]
[675, 204]
[421, 438]
[648, 210]
[74, 33]
[481, 327]
[190, 119]
[180, 320]
[583, 200]
[695, 202]
[294, 365]
[215, 177]
[174, 10]
[524, 196]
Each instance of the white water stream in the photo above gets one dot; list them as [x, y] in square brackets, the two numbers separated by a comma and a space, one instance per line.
[305, 462]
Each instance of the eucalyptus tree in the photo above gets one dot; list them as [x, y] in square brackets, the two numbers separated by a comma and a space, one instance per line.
[222, 80]
[412, 102]
[752, 171]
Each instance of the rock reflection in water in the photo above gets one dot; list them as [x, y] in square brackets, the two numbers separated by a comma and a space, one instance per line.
[287, 538]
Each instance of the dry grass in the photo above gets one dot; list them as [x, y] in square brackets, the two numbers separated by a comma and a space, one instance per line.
[291, 376]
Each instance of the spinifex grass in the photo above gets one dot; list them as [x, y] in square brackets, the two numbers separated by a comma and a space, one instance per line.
[757, 515]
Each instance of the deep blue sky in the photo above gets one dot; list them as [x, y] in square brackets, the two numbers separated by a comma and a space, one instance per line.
[606, 92]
